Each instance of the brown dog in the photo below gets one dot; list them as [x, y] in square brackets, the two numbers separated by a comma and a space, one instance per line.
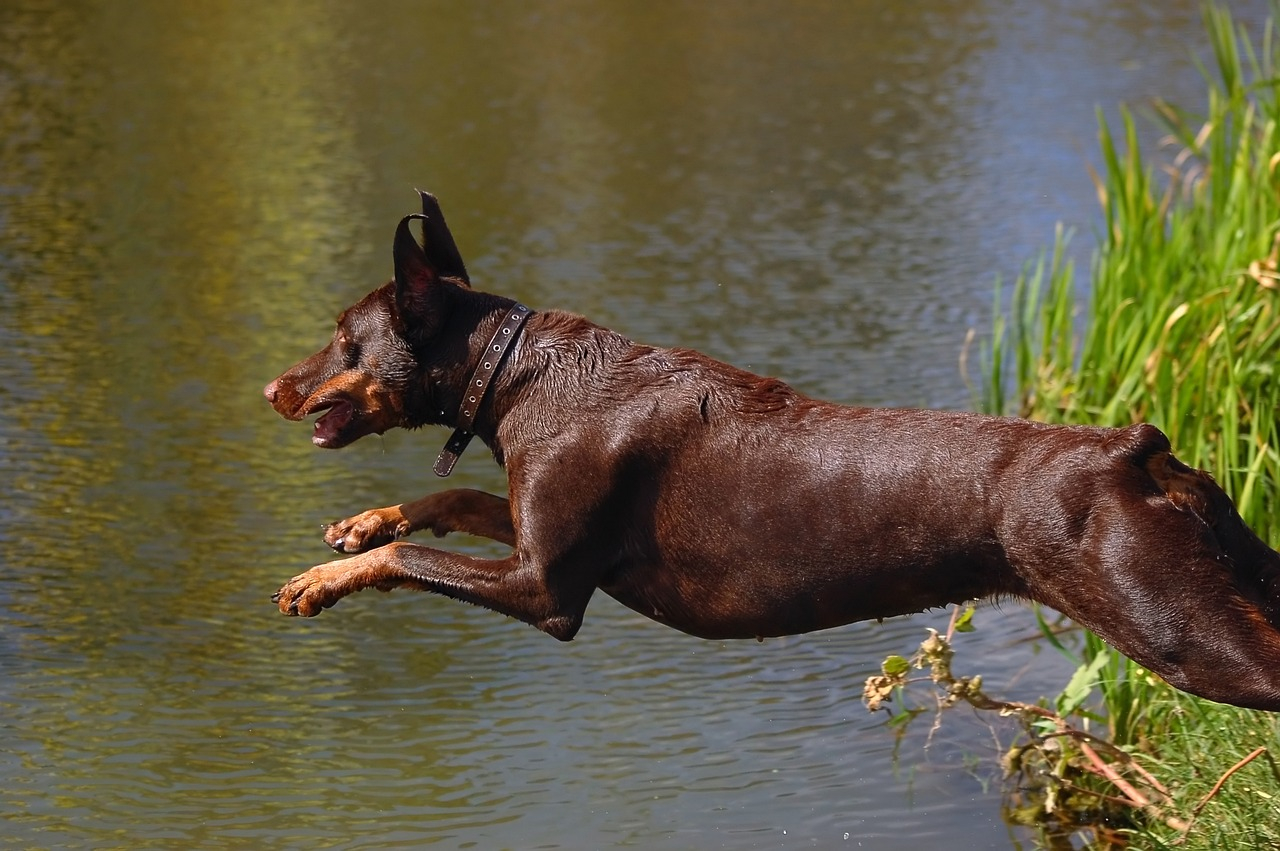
[728, 505]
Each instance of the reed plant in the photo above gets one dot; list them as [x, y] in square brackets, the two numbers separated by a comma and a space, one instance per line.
[1179, 326]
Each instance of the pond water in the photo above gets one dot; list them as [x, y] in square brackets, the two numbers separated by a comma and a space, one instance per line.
[189, 192]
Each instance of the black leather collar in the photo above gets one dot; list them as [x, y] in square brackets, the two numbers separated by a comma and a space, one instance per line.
[490, 362]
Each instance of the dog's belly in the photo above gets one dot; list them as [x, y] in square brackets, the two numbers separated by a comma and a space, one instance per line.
[749, 597]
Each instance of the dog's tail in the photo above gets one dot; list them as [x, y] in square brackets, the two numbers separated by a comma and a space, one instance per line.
[1255, 565]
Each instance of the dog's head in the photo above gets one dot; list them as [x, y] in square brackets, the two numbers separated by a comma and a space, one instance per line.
[372, 376]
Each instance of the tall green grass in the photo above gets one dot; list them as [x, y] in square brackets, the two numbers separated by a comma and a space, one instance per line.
[1180, 328]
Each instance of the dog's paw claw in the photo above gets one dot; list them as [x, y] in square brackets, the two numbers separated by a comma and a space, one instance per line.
[366, 531]
[308, 594]
[295, 598]
[299, 606]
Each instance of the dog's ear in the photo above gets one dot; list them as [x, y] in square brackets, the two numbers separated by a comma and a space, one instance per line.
[418, 296]
[438, 242]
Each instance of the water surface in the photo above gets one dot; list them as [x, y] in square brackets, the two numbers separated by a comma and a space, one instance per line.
[189, 192]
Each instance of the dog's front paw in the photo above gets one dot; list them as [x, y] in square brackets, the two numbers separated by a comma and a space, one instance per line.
[307, 594]
[367, 530]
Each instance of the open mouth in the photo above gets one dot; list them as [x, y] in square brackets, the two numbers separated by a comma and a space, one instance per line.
[328, 429]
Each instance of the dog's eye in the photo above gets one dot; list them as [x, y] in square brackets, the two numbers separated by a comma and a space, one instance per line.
[350, 351]
[348, 348]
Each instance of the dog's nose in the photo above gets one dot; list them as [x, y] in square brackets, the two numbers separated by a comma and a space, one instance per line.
[270, 391]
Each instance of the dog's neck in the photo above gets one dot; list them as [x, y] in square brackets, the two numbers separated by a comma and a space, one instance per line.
[490, 364]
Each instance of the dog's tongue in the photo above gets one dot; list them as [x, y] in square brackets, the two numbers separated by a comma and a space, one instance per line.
[333, 421]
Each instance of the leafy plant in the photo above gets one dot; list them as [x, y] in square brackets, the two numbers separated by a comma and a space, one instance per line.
[1180, 327]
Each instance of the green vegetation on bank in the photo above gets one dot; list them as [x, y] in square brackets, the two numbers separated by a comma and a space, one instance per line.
[1181, 328]
[1179, 325]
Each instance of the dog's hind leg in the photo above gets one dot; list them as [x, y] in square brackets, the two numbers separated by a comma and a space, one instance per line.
[1256, 565]
[1153, 579]
[460, 510]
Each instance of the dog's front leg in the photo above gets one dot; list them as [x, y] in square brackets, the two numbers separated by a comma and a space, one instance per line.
[461, 510]
[509, 586]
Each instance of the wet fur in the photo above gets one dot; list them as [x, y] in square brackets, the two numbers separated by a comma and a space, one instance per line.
[728, 505]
